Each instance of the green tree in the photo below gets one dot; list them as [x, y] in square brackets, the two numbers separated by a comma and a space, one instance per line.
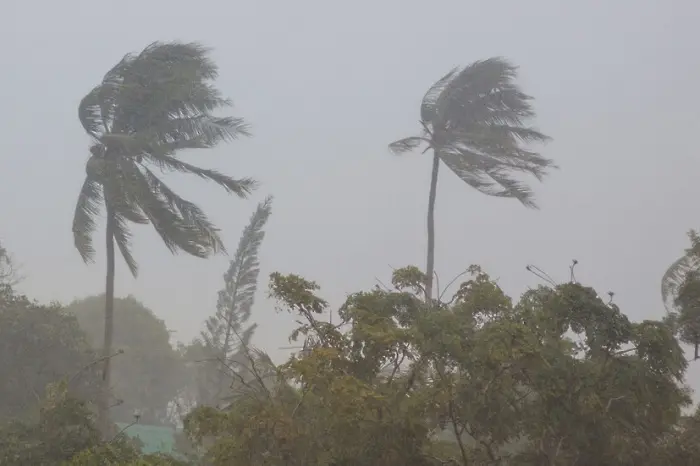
[686, 313]
[675, 276]
[40, 345]
[148, 372]
[474, 121]
[680, 291]
[8, 270]
[147, 109]
[560, 378]
[680, 447]
[64, 434]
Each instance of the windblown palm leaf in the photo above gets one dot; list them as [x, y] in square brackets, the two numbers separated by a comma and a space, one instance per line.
[149, 107]
[676, 275]
[475, 120]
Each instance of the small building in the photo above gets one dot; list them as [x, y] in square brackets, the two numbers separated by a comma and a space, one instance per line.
[155, 439]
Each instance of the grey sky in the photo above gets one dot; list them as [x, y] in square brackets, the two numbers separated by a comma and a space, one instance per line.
[327, 85]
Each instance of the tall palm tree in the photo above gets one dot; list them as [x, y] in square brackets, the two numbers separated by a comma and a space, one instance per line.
[474, 120]
[148, 108]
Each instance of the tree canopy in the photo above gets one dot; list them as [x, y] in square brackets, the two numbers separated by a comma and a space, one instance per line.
[149, 371]
[40, 345]
[64, 434]
[558, 378]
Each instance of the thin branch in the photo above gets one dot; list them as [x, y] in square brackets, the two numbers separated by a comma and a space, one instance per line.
[397, 365]
[301, 400]
[572, 278]
[460, 442]
[540, 274]
[466, 271]
[96, 361]
[386, 288]
[607, 406]
[437, 282]
[253, 369]
[135, 421]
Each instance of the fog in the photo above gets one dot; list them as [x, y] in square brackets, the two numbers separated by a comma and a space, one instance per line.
[326, 87]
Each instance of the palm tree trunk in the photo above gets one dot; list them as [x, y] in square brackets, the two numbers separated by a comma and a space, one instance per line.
[430, 262]
[103, 401]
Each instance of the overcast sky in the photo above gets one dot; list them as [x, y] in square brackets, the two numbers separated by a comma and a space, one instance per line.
[326, 86]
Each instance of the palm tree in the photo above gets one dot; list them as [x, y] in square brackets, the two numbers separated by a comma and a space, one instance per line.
[474, 120]
[147, 108]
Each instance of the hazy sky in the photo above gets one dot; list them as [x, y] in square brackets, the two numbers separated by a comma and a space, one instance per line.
[327, 85]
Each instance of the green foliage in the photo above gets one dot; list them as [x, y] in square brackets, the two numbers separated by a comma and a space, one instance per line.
[61, 431]
[680, 290]
[39, 345]
[676, 275]
[680, 447]
[149, 372]
[148, 108]
[64, 434]
[560, 378]
[8, 271]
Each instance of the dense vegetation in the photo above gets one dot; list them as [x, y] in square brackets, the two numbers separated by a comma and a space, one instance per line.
[409, 375]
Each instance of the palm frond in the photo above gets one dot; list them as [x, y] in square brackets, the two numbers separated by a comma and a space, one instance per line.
[169, 82]
[118, 193]
[189, 212]
[195, 132]
[241, 187]
[205, 129]
[187, 55]
[123, 206]
[86, 210]
[90, 115]
[160, 89]
[183, 96]
[483, 92]
[488, 176]
[175, 232]
[122, 236]
[513, 188]
[428, 109]
[98, 109]
[406, 144]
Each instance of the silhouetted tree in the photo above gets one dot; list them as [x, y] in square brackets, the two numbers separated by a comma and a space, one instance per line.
[675, 276]
[474, 120]
[226, 335]
[147, 109]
